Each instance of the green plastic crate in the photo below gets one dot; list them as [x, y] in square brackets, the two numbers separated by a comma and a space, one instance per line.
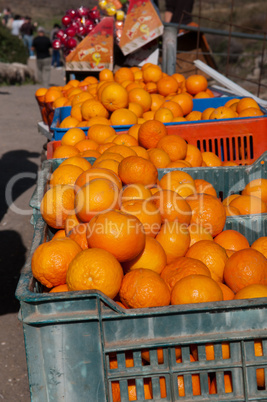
[70, 338]
[226, 180]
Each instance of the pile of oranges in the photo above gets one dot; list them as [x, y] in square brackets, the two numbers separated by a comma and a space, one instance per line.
[149, 140]
[141, 240]
[137, 94]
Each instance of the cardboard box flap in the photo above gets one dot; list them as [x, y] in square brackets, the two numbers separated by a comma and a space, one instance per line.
[95, 51]
[142, 25]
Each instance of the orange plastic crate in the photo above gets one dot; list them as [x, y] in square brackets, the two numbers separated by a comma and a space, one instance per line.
[239, 140]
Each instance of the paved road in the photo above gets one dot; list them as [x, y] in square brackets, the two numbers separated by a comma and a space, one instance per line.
[21, 147]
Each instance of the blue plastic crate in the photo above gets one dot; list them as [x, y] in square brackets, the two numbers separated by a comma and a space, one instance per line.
[198, 104]
[71, 337]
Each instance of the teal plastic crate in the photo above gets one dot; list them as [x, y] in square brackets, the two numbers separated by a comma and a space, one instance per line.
[226, 180]
[71, 337]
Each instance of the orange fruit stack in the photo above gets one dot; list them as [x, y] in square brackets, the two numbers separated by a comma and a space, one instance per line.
[159, 236]
[133, 95]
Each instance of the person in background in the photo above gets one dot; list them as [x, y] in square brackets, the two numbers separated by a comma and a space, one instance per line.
[7, 17]
[16, 24]
[41, 45]
[26, 30]
[176, 11]
[55, 52]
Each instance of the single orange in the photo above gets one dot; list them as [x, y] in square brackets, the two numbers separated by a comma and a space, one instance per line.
[97, 173]
[249, 204]
[211, 159]
[106, 75]
[250, 112]
[178, 181]
[179, 164]
[167, 85]
[77, 161]
[231, 240]
[96, 196]
[193, 155]
[260, 245]
[125, 139]
[144, 288]
[123, 74]
[185, 101]
[202, 95]
[59, 288]
[208, 212]
[141, 96]
[120, 233]
[164, 115]
[150, 132]
[251, 292]
[122, 117]
[136, 108]
[231, 211]
[56, 204]
[114, 97]
[197, 233]
[257, 188]
[212, 255]
[228, 199]
[50, 261]
[222, 112]
[196, 83]
[93, 108]
[140, 151]
[246, 103]
[196, 289]
[245, 267]
[95, 269]
[180, 78]
[193, 116]
[206, 113]
[70, 222]
[152, 257]
[78, 234]
[182, 267]
[123, 150]
[174, 145]
[157, 101]
[228, 294]
[159, 158]
[109, 155]
[100, 132]
[59, 234]
[65, 174]
[135, 192]
[90, 153]
[152, 73]
[203, 186]
[175, 239]
[229, 163]
[86, 145]
[172, 206]
[133, 131]
[147, 213]
[135, 169]
[69, 122]
[98, 120]
[107, 164]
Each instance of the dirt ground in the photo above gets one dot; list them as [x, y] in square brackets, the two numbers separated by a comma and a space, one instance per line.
[21, 147]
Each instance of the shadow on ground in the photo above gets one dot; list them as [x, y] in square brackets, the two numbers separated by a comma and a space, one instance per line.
[18, 174]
